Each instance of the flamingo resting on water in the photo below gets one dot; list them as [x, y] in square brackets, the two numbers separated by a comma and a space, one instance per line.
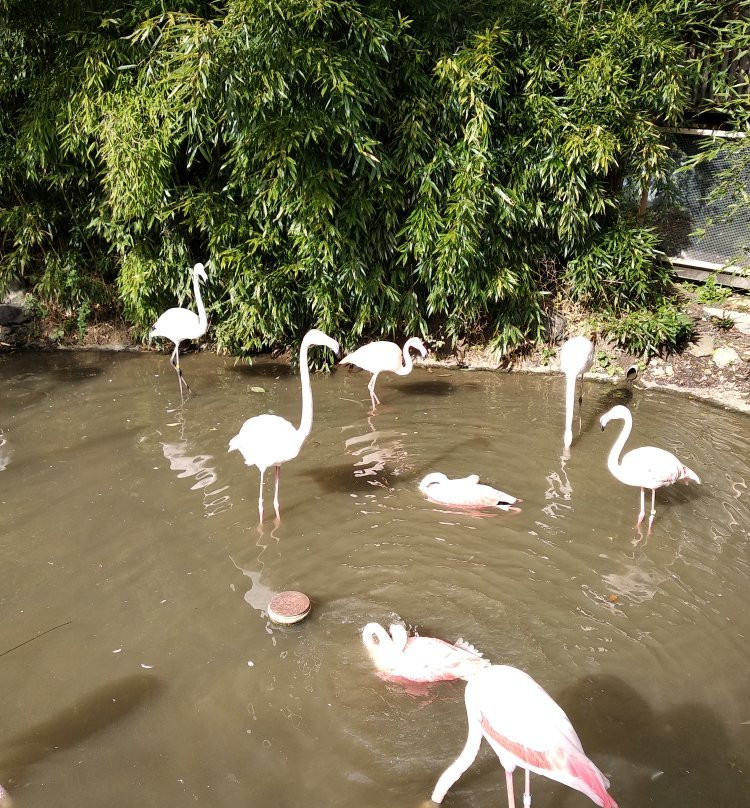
[268, 440]
[647, 466]
[576, 357]
[397, 656]
[179, 324]
[465, 492]
[377, 357]
[526, 728]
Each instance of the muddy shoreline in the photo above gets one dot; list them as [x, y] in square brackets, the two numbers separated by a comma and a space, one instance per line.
[714, 367]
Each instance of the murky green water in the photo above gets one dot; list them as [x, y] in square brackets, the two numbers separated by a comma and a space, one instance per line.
[129, 535]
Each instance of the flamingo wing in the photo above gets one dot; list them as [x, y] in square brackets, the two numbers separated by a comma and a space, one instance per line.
[429, 659]
[650, 467]
[527, 728]
[266, 440]
[376, 357]
[178, 324]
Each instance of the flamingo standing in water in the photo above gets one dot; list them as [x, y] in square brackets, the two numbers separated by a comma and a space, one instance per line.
[268, 440]
[419, 659]
[576, 357]
[647, 466]
[377, 357]
[466, 492]
[526, 728]
[179, 324]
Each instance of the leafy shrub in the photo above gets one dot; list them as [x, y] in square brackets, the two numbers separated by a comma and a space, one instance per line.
[712, 292]
[369, 168]
[649, 332]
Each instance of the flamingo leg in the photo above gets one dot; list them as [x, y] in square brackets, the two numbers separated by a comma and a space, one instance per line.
[527, 790]
[580, 391]
[461, 764]
[643, 509]
[509, 787]
[260, 496]
[371, 387]
[276, 492]
[653, 510]
[175, 360]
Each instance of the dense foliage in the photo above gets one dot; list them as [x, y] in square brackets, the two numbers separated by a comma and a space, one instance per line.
[371, 168]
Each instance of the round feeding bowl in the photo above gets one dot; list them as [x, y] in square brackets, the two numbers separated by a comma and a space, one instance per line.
[290, 607]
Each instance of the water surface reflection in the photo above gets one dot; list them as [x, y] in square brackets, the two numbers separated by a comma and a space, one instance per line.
[642, 639]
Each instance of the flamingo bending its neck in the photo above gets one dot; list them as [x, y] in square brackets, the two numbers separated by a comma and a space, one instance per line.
[465, 492]
[576, 357]
[377, 357]
[419, 659]
[179, 324]
[645, 467]
[527, 728]
[268, 440]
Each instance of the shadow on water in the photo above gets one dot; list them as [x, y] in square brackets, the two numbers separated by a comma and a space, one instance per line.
[684, 755]
[429, 387]
[263, 370]
[72, 725]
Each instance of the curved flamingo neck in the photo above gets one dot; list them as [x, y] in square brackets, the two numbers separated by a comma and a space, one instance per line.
[202, 319]
[613, 461]
[305, 424]
[408, 364]
[399, 637]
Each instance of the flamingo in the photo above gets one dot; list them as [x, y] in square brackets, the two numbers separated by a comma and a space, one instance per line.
[377, 357]
[268, 440]
[526, 728]
[647, 466]
[180, 324]
[576, 357]
[465, 492]
[419, 659]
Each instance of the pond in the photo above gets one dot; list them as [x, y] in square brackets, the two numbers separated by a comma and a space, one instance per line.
[137, 661]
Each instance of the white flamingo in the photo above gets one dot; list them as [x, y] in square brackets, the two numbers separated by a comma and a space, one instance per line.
[378, 357]
[645, 467]
[465, 492]
[268, 440]
[179, 324]
[576, 357]
[419, 659]
[527, 728]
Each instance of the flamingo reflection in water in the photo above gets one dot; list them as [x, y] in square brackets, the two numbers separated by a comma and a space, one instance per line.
[526, 728]
[399, 657]
[645, 467]
[268, 440]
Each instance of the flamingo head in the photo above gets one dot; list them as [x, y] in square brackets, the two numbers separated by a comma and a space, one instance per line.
[433, 478]
[316, 337]
[200, 272]
[378, 642]
[416, 342]
[623, 413]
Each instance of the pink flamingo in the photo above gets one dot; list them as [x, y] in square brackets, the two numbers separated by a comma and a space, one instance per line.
[419, 659]
[466, 492]
[647, 466]
[377, 357]
[180, 324]
[268, 440]
[526, 728]
[576, 357]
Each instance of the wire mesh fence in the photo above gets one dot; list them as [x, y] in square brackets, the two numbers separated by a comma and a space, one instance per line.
[694, 225]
